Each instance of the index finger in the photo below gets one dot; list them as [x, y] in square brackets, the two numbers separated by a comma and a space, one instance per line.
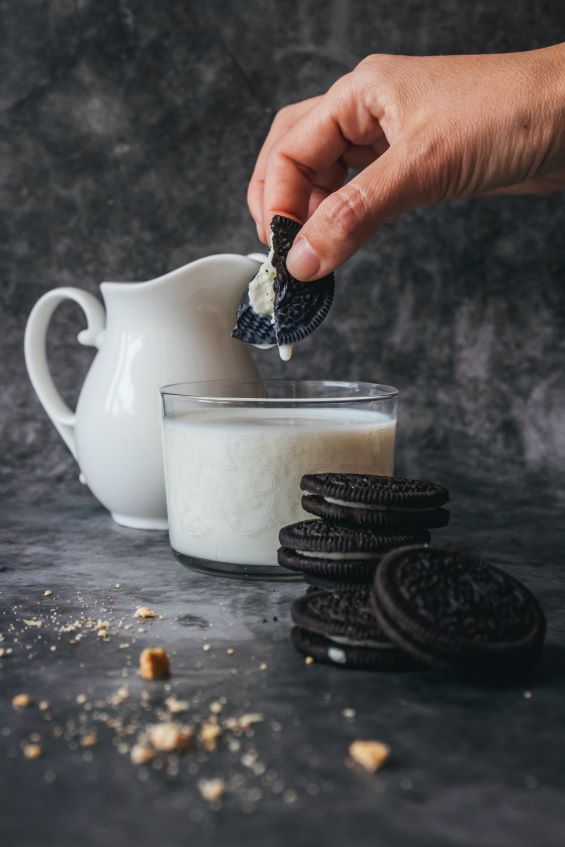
[284, 120]
[313, 144]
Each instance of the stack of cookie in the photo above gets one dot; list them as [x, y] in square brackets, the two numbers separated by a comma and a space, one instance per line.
[360, 519]
[427, 607]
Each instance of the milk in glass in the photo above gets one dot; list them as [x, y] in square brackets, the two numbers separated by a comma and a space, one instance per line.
[233, 474]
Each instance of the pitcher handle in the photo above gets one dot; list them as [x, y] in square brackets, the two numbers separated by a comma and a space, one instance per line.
[61, 416]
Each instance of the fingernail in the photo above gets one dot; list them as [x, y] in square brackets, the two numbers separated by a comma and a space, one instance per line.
[302, 262]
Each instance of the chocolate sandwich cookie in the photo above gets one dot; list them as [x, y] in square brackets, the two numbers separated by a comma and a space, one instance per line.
[320, 549]
[387, 504]
[279, 309]
[457, 613]
[339, 628]
[349, 583]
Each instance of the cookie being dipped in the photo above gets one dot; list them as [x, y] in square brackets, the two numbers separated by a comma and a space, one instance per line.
[278, 309]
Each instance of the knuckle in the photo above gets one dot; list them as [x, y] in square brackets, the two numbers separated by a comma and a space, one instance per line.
[376, 64]
[346, 211]
[370, 61]
[381, 82]
[284, 115]
[341, 85]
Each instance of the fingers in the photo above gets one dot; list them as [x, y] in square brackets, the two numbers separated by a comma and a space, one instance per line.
[349, 216]
[314, 145]
[284, 120]
[335, 130]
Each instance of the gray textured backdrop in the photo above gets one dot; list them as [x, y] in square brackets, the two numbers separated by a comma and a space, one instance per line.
[128, 131]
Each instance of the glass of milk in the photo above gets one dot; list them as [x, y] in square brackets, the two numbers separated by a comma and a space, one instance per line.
[235, 452]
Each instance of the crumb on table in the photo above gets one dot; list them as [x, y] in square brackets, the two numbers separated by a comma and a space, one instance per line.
[144, 612]
[371, 755]
[140, 754]
[210, 731]
[154, 663]
[168, 736]
[32, 751]
[211, 789]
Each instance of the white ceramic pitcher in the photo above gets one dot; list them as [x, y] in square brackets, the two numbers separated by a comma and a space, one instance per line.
[175, 328]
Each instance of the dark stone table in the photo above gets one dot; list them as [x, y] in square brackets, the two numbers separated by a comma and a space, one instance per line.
[470, 765]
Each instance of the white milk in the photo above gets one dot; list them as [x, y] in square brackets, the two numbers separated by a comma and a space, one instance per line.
[233, 474]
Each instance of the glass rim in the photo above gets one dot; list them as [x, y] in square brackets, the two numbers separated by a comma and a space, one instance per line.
[199, 390]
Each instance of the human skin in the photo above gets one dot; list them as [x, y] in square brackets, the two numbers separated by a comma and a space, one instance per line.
[418, 131]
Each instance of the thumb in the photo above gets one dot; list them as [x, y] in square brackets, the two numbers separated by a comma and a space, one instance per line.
[349, 216]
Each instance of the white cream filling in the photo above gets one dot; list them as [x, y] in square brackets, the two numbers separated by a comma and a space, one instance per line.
[351, 642]
[338, 556]
[337, 655]
[285, 352]
[261, 291]
[373, 508]
[262, 299]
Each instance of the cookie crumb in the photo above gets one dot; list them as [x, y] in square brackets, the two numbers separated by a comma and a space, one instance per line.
[89, 740]
[245, 722]
[290, 796]
[119, 696]
[205, 647]
[216, 707]
[176, 706]
[210, 731]
[371, 755]
[144, 612]
[33, 622]
[154, 663]
[211, 789]
[168, 736]
[43, 705]
[48, 593]
[230, 651]
[263, 666]
[140, 754]
[32, 751]
[81, 699]
[348, 713]
[21, 701]
[528, 695]
[309, 660]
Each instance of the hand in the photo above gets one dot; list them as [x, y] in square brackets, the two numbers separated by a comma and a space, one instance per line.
[422, 130]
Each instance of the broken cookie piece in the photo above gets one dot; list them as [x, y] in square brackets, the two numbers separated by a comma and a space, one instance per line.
[278, 309]
[210, 731]
[371, 755]
[32, 751]
[168, 736]
[141, 753]
[21, 701]
[211, 789]
[154, 663]
[144, 612]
